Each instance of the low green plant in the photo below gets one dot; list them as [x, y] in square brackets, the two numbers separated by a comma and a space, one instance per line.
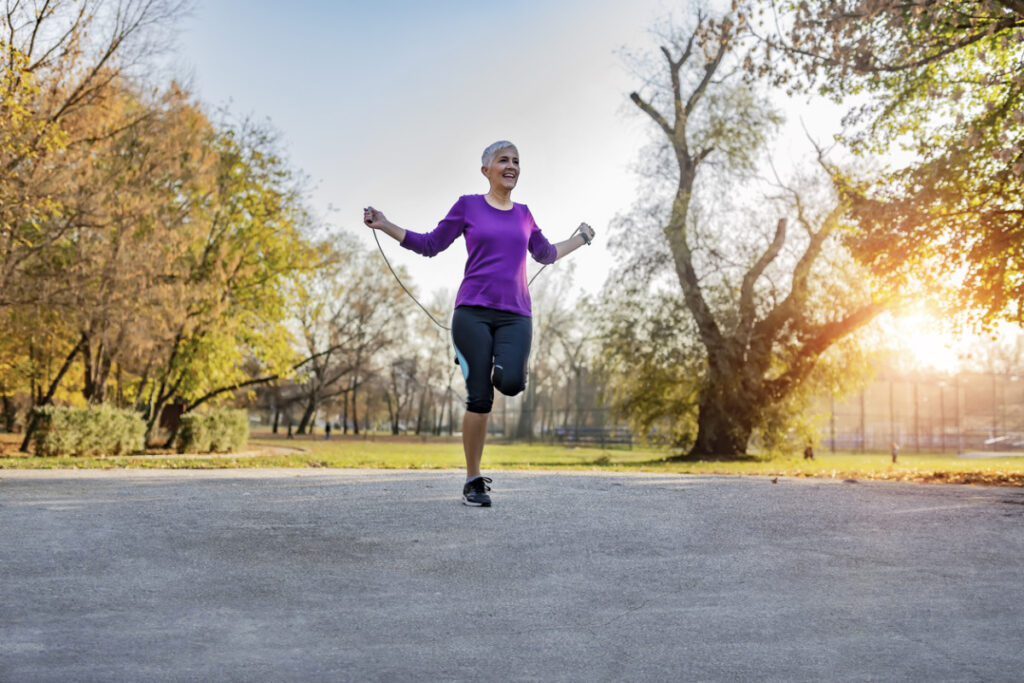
[96, 430]
[221, 431]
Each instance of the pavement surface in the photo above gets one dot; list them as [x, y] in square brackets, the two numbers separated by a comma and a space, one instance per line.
[343, 575]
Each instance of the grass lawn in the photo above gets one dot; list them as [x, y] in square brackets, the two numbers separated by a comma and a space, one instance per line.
[267, 450]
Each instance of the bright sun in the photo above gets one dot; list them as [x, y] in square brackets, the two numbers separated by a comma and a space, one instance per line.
[923, 340]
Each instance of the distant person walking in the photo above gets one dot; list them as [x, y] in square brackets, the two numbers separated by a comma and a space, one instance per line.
[491, 326]
[327, 431]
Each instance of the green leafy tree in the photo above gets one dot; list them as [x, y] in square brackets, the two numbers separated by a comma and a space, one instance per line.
[247, 237]
[942, 83]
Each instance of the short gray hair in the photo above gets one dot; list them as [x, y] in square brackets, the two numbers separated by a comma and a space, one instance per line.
[488, 156]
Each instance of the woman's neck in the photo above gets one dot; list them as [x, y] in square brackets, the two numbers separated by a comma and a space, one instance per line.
[499, 199]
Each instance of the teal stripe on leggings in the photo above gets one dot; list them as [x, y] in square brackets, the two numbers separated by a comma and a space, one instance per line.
[462, 362]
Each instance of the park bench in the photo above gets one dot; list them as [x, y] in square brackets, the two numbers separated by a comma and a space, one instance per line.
[594, 436]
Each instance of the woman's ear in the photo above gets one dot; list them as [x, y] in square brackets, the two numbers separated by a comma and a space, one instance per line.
[483, 169]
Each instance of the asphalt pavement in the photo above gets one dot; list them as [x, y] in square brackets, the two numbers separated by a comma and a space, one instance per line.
[346, 575]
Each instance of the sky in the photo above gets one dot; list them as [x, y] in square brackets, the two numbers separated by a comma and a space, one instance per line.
[390, 104]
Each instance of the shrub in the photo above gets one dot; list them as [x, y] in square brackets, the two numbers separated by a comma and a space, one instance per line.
[193, 434]
[219, 432]
[96, 430]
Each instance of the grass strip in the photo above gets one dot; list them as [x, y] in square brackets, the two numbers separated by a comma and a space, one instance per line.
[409, 453]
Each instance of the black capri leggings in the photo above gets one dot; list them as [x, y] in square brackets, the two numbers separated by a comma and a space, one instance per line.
[486, 339]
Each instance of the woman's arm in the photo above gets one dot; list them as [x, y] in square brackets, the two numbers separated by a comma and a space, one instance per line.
[376, 220]
[584, 235]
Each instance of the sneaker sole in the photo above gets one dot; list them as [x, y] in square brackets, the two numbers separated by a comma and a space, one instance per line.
[475, 505]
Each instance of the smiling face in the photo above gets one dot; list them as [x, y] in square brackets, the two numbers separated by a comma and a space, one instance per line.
[503, 173]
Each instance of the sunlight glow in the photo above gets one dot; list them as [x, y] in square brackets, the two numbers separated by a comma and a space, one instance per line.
[919, 338]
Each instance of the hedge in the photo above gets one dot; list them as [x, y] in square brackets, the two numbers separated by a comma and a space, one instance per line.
[96, 430]
[216, 432]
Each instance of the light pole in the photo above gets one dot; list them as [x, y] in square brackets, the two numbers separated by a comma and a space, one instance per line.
[832, 420]
[917, 419]
[942, 416]
[995, 415]
[958, 383]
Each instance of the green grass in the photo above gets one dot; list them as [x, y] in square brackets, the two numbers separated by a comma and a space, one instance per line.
[415, 453]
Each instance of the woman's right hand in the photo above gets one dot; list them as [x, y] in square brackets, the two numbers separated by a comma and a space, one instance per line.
[374, 218]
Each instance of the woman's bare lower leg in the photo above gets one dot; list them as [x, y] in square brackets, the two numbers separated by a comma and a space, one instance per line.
[474, 433]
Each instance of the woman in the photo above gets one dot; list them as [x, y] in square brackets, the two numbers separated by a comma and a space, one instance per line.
[491, 325]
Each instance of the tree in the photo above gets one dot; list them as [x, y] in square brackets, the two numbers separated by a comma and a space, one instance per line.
[131, 210]
[437, 371]
[758, 304]
[349, 315]
[247, 235]
[62, 59]
[363, 318]
[556, 328]
[652, 360]
[941, 81]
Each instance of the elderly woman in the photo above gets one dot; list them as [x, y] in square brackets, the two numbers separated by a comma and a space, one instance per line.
[491, 326]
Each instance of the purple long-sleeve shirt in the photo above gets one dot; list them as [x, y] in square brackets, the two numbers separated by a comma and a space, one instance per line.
[496, 242]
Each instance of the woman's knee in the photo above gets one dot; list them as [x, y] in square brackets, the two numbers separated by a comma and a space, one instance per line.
[508, 381]
[480, 406]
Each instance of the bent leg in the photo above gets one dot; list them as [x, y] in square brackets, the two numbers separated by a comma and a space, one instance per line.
[512, 338]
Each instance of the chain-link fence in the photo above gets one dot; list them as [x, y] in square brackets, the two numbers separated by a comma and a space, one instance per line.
[964, 412]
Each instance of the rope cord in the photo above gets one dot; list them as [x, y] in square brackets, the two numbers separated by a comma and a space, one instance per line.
[429, 314]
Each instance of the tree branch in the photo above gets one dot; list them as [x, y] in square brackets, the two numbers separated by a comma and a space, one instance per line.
[673, 70]
[817, 340]
[750, 279]
[652, 112]
[238, 385]
[709, 69]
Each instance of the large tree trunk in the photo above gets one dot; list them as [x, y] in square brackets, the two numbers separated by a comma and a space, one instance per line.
[724, 424]
[97, 362]
[355, 406]
[344, 413]
[421, 413]
[307, 415]
[9, 412]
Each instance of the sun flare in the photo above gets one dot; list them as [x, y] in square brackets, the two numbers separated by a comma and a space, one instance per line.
[921, 339]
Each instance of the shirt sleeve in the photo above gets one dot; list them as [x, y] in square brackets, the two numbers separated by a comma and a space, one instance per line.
[440, 238]
[541, 250]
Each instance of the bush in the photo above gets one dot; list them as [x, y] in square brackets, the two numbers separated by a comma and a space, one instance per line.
[216, 432]
[193, 434]
[96, 430]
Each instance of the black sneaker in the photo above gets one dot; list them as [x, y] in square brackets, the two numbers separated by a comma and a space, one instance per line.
[475, 493]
